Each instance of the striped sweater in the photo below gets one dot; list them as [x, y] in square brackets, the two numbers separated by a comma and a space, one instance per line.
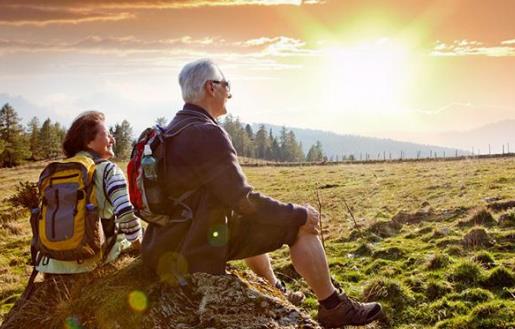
[116, 201]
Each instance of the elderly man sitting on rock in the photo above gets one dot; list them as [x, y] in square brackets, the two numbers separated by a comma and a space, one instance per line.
[230, 220]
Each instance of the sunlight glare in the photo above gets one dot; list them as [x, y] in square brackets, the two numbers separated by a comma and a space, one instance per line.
[369, 77]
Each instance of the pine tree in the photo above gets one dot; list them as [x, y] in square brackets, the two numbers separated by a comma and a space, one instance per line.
[49, 139]
[16, 147]
[250, 133]
[275, 148]
[315, 152]
[34, 145]
[122, 133]
[262, 145]
[58, 134]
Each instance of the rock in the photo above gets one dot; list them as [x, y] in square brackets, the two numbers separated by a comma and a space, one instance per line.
[100, 300]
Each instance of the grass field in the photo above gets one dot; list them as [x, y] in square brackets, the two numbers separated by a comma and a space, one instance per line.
[428, 244]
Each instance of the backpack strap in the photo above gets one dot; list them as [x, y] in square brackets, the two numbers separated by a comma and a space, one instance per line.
[30, 284]
[104, 178]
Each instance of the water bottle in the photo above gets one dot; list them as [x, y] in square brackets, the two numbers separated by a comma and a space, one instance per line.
[150, 183]
[148, 164]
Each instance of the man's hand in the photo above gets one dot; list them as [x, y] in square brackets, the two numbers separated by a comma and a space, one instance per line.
[312, 225]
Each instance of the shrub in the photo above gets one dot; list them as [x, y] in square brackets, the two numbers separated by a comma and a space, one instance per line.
[26, 195]
[414, 283]
[477, 237]
[485, 259]
[365, 249]
[436, 289]
[465, 274]
[480, 217]
[390, 291]
[392, 253]
[455, 251]
[495, 314]
[447, 241]
[472, 295]
[499, 277]
[507, 220]
[385, 229]
[437, 261]
[442, 309]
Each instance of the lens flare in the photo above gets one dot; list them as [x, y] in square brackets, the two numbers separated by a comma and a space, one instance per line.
[72, 323]
[138, 301]
[218, 235]
[172, 267]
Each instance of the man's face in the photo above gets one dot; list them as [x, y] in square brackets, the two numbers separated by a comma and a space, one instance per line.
[222, 92]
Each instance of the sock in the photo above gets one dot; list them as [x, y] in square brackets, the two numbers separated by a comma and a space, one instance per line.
[331, 301]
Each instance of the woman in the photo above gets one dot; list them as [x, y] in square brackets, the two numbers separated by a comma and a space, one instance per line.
[89, 135]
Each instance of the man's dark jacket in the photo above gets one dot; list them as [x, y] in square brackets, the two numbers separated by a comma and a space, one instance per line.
[202, 158]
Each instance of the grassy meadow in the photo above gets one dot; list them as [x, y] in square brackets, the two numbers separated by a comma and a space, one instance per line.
[434, 241]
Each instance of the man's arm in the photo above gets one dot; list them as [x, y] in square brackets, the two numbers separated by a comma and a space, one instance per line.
[226, 180]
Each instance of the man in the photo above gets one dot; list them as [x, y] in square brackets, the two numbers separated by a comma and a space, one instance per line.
[230, 220]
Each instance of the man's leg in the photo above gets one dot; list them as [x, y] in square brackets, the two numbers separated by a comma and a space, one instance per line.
[336, 309]
[308, 258]
[261, 265]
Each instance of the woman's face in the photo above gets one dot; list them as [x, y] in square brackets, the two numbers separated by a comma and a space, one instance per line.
[103, 142]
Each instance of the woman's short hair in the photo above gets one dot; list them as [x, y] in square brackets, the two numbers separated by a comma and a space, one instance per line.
[194, 75]
[82, 131]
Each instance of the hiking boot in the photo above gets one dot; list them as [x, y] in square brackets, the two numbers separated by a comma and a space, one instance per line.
[294, 297]
[349, 312]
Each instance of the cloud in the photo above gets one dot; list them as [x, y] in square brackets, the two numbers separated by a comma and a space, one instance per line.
[474, 48]
[128, 54]
[280, 46]
[33, 13]
[42, 16]
[98, 44]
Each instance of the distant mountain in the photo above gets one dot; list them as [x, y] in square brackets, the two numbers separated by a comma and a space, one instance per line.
[491, 138]
[336, 145]
[488, 138]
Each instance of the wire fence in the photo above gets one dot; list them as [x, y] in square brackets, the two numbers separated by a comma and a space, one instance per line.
[367, 159]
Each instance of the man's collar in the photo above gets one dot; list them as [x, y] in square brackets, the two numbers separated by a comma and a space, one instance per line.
[193, 107]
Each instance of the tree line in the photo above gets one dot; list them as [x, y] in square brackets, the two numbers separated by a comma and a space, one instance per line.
[264, 145]
[43, 141]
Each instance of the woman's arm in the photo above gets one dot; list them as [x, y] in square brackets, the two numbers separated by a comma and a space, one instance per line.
[116, 192]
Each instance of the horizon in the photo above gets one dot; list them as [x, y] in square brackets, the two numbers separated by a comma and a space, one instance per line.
[387, 70]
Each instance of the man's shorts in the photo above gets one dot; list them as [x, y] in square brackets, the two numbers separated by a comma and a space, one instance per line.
[249, 238]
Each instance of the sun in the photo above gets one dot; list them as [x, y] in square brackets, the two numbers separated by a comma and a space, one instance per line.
[371, 77]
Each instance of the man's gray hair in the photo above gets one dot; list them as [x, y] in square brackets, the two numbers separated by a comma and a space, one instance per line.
[194, 75]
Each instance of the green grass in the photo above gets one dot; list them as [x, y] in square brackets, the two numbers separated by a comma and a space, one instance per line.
[418, 266]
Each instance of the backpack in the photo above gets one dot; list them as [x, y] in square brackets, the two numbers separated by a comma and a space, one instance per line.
[147, 196]
[67, 225]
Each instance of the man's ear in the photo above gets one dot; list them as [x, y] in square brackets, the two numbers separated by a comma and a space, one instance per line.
[209, 88]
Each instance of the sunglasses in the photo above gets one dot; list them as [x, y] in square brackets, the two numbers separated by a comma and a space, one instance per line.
[224, 83]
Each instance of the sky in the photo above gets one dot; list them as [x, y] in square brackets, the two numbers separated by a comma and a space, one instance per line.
[375, 68]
